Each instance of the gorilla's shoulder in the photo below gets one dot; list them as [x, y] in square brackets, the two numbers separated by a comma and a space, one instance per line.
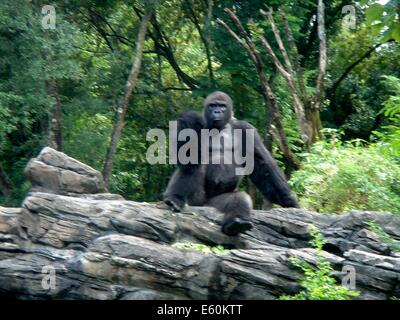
[190, 114]
[241, 124]
[191, 119]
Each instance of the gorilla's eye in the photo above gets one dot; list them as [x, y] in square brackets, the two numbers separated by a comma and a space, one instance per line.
[217, 105]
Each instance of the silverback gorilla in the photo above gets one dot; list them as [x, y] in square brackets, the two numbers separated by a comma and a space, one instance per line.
[215, 184]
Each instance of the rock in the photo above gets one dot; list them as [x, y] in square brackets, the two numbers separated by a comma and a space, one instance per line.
[55, 172]
[71, 240]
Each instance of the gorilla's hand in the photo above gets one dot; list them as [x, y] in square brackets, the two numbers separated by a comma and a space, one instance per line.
[236, 225]
[174, 204]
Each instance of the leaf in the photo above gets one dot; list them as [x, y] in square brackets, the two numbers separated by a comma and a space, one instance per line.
[374, 12]
[396, 32]
[387, 35]
[376, 28]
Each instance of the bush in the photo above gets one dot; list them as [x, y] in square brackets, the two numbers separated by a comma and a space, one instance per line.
[393, 244]
[318, 283]
[390, 136]
[220, 250]
[337, 177]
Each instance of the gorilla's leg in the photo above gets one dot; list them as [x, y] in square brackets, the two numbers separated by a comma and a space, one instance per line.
[185, 186]
[237, 208]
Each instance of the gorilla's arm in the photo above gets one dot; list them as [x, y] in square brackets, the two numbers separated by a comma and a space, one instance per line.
[267, 176]
[190, 120]
[188, 179]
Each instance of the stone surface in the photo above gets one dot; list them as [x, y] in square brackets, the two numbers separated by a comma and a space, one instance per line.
[55, 172]
[100, 246]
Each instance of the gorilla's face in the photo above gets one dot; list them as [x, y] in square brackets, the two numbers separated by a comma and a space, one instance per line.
[217, 113]
[217, 110]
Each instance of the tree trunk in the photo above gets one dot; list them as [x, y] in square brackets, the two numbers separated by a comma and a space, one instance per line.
[315, 119]
[273, 113]
[307, 109]
[123, 105]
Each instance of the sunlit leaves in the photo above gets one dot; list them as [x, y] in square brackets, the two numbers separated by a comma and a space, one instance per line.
[384, 19]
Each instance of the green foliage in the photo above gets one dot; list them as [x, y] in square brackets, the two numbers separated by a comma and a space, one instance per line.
[29, 57]
[220, 250]
[384, 18]
[318, 282]
[87, 137]
[384, 237]
[390, 134]
[338, 176]
[90, 53]
[356, 103]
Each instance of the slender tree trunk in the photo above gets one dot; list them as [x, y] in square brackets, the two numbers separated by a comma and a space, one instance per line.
[295, 57]
[56, 118]
[123, 105]
[5, 184]
[307, 109]
[319, 93]
[288, 76]
[273, 113]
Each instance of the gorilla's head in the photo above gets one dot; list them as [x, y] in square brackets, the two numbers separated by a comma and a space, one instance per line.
[217, 109]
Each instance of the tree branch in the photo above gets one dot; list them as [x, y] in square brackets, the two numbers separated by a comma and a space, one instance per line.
[295, 56]
[273, 113]
[278, 39]
[203, 38]
[164, 48]
[368, 53]
[123, 106]
[288, 75]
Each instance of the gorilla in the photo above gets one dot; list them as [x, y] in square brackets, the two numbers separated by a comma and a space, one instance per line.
[214, 183]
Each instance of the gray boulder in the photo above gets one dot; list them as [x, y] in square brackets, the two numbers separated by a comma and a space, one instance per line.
[70, 240]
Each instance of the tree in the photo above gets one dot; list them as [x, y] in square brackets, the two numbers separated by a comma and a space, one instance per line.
[274, 123]
[123, 105]
[307, 108]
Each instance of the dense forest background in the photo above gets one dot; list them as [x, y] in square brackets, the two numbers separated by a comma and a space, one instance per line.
[320, 80]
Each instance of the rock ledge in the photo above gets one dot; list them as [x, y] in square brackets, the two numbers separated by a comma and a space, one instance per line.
[100, 246]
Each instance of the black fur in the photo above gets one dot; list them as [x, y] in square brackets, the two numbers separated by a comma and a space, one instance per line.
[216, 184]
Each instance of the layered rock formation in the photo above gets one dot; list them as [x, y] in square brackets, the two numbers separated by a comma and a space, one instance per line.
[71, 240]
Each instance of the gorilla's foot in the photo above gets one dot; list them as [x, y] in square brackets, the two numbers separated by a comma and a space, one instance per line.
[235, 226]
[174, 205]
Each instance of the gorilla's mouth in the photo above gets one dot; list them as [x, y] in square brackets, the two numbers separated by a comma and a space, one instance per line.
[218, 122]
